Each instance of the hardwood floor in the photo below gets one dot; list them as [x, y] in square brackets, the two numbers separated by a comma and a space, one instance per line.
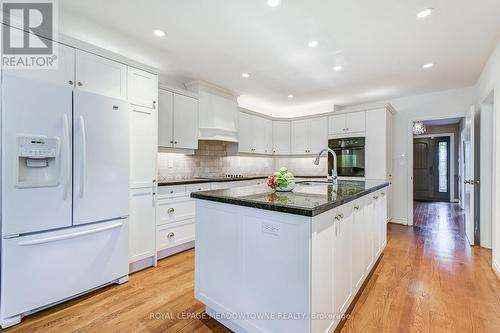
[429, 280]
[438, 215]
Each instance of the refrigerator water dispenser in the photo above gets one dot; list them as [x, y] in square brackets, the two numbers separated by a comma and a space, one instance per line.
[37, 161]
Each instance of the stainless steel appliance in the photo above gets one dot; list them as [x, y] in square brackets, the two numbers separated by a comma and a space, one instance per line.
[350, 156]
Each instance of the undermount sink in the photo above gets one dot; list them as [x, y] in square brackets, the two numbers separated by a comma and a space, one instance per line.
[314, 182]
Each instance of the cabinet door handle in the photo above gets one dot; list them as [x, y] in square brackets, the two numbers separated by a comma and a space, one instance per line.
[175, 142]
[171, 141]
[170, 235]
[80, 84]
[382, 194]
[339, 217]
[375, 197]
[170, 210]
[70, 82]
[356, 207]
[154, 104]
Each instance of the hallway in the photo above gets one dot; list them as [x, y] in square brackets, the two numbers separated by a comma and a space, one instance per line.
[438, 216]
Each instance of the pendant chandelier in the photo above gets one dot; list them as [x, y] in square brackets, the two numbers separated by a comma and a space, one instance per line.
[419, 128]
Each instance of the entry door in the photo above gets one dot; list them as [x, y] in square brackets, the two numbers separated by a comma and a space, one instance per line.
[469, 181]
[423, 173]
[432, 169]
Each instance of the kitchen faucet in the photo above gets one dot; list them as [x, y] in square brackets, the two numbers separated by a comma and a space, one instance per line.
[333, 178]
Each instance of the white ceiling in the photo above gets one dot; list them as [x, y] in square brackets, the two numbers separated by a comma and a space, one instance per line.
[381, 45]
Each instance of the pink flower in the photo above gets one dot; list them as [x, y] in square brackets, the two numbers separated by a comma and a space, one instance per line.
[272, 182]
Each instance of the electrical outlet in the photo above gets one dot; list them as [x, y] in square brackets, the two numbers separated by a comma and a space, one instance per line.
[271, 229]
[170, 164]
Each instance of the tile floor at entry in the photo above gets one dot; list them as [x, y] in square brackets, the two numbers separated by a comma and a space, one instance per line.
[429, 280]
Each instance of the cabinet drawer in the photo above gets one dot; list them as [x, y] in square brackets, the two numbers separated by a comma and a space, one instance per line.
[173, 191]
[174, 234]
[171, 210]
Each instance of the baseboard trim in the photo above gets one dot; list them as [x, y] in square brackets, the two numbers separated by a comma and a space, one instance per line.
[496, 269]
[399, 220]
[174, 250]
[141, 264]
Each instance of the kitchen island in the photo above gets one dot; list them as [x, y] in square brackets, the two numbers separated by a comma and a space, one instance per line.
[287, 262]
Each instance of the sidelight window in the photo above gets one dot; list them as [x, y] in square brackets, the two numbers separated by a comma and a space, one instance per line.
[443, 166]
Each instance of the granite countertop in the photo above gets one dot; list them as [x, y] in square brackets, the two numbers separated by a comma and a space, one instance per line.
[306, 200]
[218, 180]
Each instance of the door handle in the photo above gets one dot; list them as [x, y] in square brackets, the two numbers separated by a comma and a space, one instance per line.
[68, 155]
[83, 164]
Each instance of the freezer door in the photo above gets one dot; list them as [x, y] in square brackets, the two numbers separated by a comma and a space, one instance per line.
[45, 268]
[101, 158]
[36, 192]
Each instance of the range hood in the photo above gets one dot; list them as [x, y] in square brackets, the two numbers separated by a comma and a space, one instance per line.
[217, 112]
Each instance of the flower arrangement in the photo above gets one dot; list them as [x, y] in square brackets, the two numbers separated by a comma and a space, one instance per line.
[281, 180]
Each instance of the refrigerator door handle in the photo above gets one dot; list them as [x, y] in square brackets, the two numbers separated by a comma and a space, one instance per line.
[68, 156]
[69, 236]
[83, 169]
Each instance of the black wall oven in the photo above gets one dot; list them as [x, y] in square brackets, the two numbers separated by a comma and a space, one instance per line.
[350, 156]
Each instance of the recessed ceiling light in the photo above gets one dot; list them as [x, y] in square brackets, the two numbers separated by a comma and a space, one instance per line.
[290, 96]
[313, 43]
[273, 3]
[424, 13]
[245, 75]
[427, 66]
[338, 68]
[159, 32]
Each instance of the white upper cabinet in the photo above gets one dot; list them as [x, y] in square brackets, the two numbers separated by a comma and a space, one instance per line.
[299, 133]
[318, 138]
[378, 145]
[63, 75]
[177, 120]
[281, 137]
[100, 75]
[185, 122]
[165, 117]
[309, 136]
[145, 88]
[255, 134]
[347, 123]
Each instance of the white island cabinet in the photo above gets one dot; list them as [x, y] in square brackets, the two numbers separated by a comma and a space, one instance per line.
[259, 269]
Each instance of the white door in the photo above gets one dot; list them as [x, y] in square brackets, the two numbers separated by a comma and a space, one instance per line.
[143, 88]
[299, 137]
[355, 122]
[142, 224]
[281, 137]
[41, 109]
[165, 118]
[370, 228]
[358, 244]
[318, 137]
[185, 122]
[336, 124]
[100, 75]
[469, 181]
[101, 158]
[142, 147]
[63, 75]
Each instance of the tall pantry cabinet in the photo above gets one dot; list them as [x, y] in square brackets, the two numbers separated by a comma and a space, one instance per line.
[143, 97]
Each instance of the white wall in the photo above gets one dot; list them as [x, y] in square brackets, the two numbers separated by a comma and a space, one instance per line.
[450, 103]
[488, 82]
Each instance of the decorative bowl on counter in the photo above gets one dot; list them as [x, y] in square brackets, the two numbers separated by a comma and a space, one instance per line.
[281, 181]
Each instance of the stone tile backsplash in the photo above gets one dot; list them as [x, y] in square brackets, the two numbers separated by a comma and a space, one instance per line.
[211, 160]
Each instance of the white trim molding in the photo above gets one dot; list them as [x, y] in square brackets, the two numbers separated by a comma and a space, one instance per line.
[399, 220]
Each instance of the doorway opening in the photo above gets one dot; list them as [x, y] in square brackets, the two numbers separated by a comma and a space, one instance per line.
[435, 161]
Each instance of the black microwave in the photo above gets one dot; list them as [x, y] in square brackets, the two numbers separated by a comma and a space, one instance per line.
[350, 156]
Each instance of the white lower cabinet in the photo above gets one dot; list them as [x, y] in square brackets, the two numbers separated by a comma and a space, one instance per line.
[142, 231]
[346, 243]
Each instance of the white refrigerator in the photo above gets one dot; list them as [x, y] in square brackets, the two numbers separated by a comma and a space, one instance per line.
[65, 202]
